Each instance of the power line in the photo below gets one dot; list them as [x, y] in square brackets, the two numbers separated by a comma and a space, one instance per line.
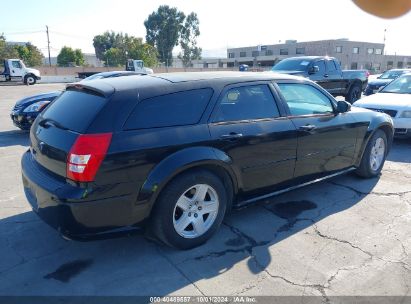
[22, 33]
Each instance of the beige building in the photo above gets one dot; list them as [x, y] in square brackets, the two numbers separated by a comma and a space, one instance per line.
[351, 54]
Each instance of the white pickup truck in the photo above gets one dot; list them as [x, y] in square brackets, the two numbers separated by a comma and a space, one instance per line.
[16, 70]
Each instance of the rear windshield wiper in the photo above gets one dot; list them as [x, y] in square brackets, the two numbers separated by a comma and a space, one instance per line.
[47, 122]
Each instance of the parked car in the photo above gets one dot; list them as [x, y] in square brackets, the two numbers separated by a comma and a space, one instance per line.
[395, 100]
[325, 71]
[175, 152]
[27, 109]
[384, 79]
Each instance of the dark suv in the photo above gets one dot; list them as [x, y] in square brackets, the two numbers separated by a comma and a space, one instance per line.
[175, 152]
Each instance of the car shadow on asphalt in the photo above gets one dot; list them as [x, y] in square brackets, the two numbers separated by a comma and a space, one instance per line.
[33, 252]
[14, 138]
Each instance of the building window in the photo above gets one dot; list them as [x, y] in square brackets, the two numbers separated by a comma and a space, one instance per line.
[368, 65]
[255, 53]
[377, 66]
[338, 49]
[390, 65]
[300, 51]
[400, 64]
[231, 55]
[243, 54]
[268, 52]
[370, 51]
[408, 65]
[354, 65]
[355, 50]
[378, 51]
[283, 51]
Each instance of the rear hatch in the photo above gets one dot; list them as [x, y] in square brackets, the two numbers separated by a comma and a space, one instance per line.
[56, 130]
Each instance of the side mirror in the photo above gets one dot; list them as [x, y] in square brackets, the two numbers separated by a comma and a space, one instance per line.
[314, 69]
[343, 106]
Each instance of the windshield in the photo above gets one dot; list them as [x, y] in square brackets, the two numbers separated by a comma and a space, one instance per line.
[401, 85]
[390, 74]
[291, 65]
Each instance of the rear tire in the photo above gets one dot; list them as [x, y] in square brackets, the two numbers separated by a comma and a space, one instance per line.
[374, 155]
[354, 93]
[189, 210]
[30, 80]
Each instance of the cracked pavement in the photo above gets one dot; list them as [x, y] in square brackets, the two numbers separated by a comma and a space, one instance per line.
[343, 237]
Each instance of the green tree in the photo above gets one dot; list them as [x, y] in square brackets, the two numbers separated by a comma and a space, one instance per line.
[163, 31]
[188, 40]
[30, 54]
[114, 57]
[68, 56]
[7, 51]
[137, 49]
[115, 48]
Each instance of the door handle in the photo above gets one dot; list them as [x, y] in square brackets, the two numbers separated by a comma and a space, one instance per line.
[325, 75]
[307, 128]
[231, 136]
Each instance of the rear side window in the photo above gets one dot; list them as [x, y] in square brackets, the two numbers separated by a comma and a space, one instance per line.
[75, 110]
[176, 109]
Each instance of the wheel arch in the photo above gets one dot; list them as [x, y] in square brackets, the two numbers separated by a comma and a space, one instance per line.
[386, 127]
[184, 161]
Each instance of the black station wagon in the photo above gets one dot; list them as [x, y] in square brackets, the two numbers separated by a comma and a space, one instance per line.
[175, 152]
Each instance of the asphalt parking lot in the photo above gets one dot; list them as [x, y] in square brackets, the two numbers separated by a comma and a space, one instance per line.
[346, 236]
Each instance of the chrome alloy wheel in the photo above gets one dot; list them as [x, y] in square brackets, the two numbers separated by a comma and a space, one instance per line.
[377, 154]
[195, 211]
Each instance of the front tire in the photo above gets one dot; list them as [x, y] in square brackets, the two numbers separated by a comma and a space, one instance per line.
[374, 155]
[30, 80]
[354, 94]
[189, 210]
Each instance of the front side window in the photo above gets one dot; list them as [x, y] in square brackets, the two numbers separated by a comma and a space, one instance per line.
[304, 99]
[247, 103]
[16, 64]
[176, 109]
[331, 69]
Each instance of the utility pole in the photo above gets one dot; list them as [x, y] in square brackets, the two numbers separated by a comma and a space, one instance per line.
[48, 43]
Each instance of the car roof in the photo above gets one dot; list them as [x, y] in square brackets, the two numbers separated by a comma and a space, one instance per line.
[398, 70]
[107, 86]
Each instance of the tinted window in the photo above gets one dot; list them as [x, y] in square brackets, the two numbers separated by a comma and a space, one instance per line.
[75, 110]
[331, 69]
[177, 109]
[304, 99]
[321, 66]
[245, 103]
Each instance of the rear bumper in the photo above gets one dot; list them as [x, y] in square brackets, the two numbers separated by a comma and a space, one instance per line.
[68, 208]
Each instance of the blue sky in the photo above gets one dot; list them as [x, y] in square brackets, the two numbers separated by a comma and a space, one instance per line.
[222, 23]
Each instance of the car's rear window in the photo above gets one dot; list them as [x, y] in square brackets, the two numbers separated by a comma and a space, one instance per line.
[75, 110]
[176, 109]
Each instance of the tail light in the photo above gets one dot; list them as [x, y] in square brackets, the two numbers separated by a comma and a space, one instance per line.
[86, 155]
[367, 74]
